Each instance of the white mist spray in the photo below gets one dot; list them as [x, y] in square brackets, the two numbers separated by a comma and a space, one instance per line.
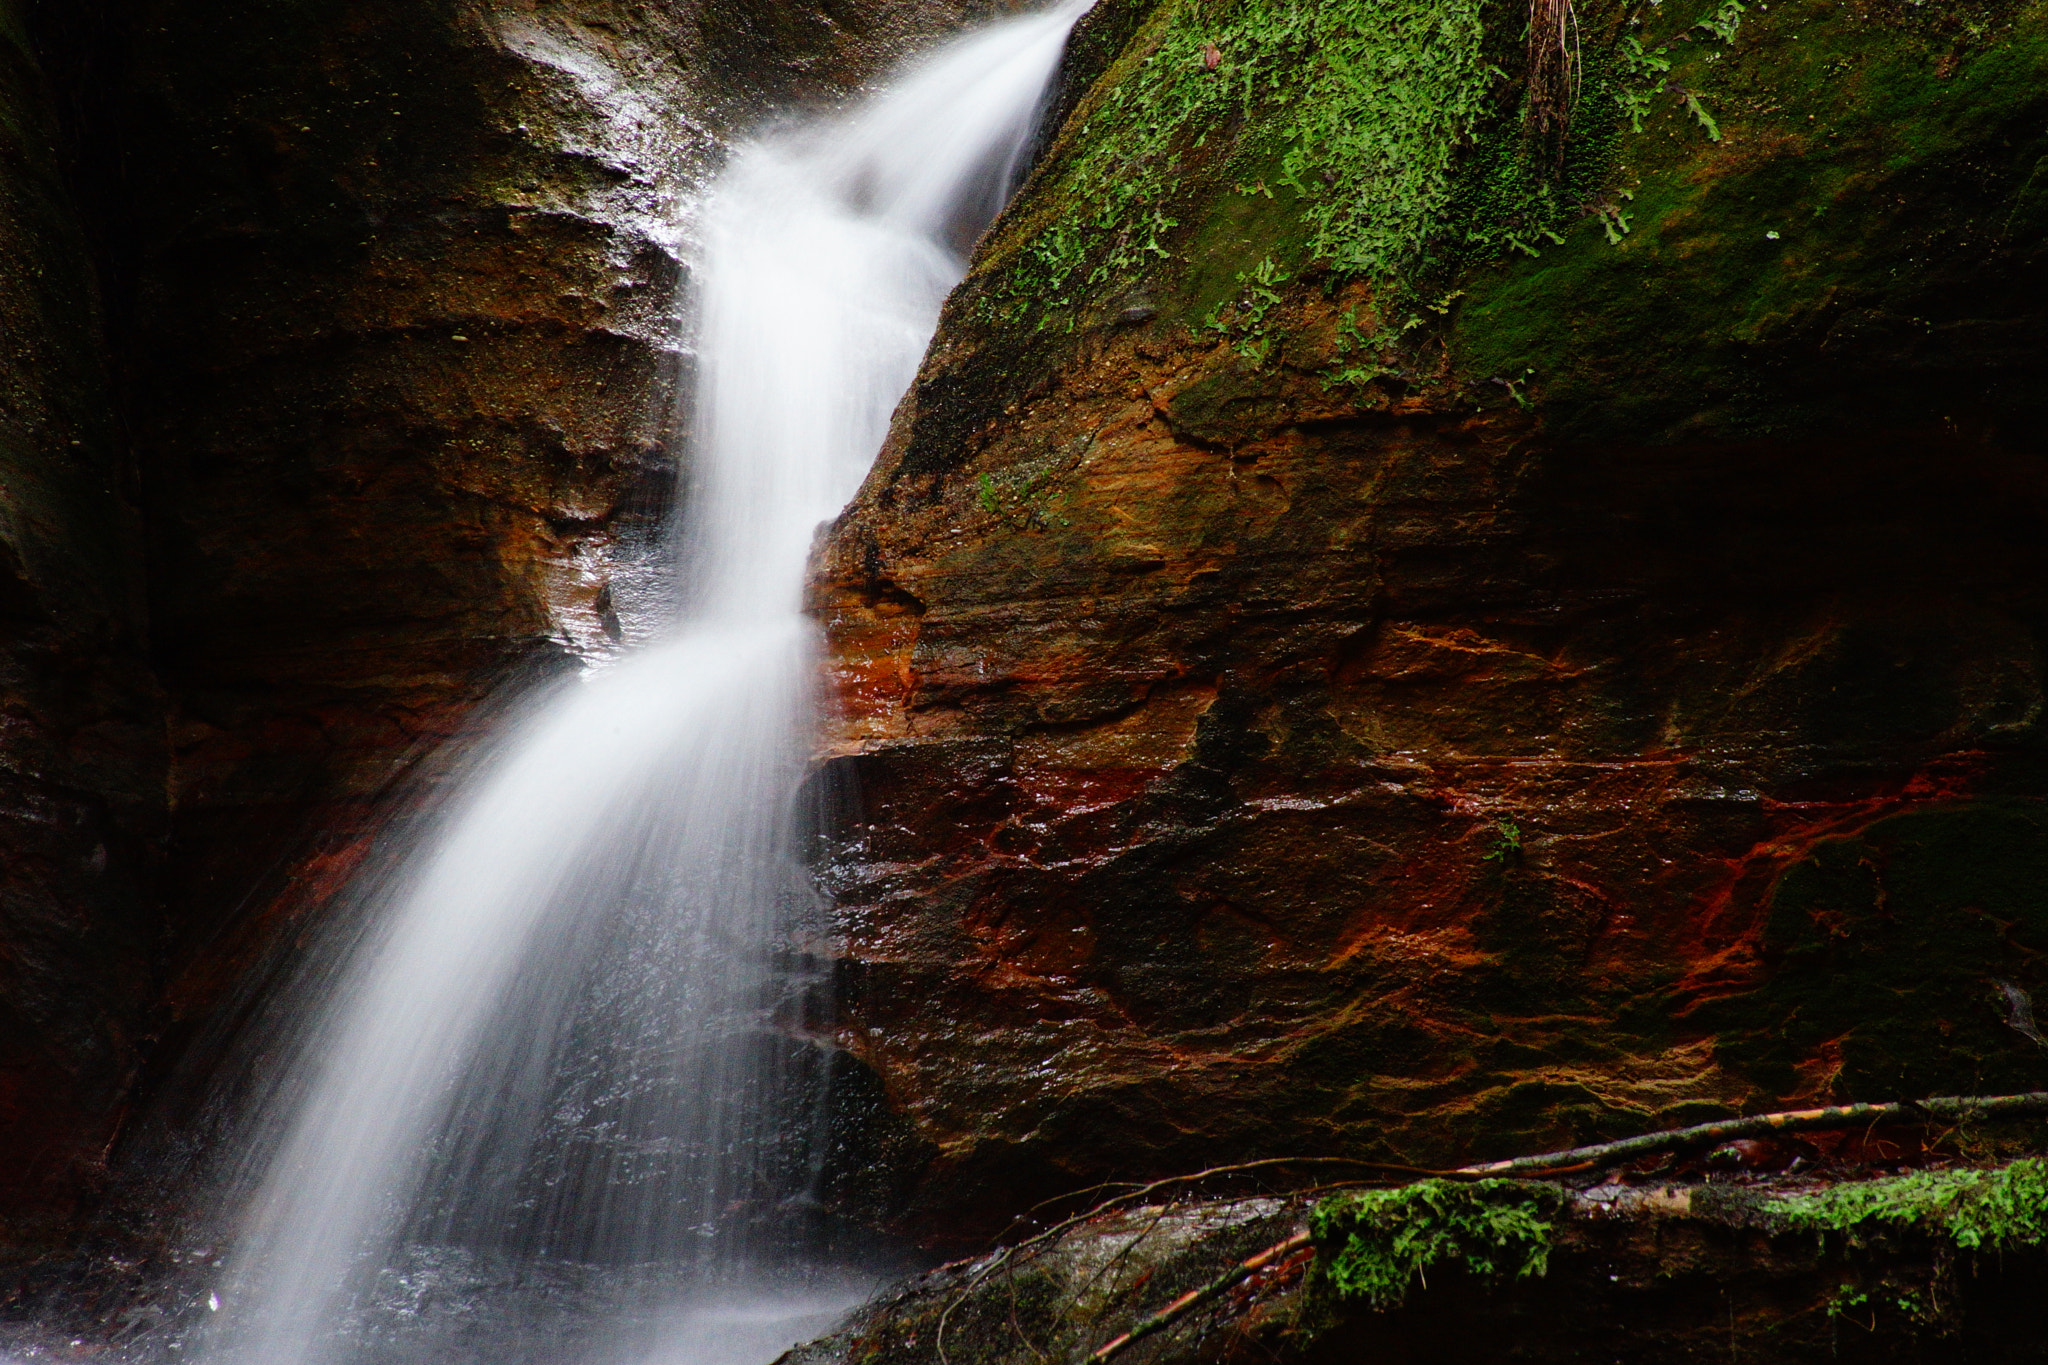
[571, 1033]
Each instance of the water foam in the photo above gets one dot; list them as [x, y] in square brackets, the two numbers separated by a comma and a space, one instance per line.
[579, 1028]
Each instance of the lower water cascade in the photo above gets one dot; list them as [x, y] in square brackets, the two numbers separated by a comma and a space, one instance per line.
[569, 1056]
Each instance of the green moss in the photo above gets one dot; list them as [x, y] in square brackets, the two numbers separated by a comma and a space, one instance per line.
[1988, 1210]
[1871, 162]
[1334, 126]
[1238, 144]
[1376, 1244]
[1750, 215]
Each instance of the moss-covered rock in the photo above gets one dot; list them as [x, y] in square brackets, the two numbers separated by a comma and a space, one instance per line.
[1930, 1266]
[1861, 242]
[1377, 1245]
[2003, 1209]
[1321, 471]
[1757, 211]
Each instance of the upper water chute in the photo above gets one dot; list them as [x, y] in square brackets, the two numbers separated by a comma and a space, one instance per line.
[576, 1029]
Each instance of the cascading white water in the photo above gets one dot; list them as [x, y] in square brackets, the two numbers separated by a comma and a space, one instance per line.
[572, 1032]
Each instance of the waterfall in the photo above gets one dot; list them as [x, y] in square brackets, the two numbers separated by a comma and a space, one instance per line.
[572, 1029]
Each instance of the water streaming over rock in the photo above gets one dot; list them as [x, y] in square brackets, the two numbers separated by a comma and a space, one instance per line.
[570, 1044]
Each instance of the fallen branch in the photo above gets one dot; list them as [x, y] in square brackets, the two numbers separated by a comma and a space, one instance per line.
[1606, 1153]
[1136, 1193]
[1132, 1195]
[1762, 1125]
[1195, 1298]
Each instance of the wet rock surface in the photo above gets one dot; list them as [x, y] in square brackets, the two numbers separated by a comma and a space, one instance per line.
[1631, 1272]
[1064, 1298]
[1278, 722]
[138, 1302]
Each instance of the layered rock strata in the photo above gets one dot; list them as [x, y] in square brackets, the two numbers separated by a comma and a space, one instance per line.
[1425, 643]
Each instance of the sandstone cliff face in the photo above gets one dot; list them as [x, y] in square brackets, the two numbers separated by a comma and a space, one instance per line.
[1377, 633]
[81, 743]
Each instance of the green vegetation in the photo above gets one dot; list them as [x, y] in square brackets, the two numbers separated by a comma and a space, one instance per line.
[1374, 1245]
[1345, 112]
[1728, 289]
[1384, 141]
[1970, 1211]
[1741, 181]
[1021, 497]
[1980, 1210]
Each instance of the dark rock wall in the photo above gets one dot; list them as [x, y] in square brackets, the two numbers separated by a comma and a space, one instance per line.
[82, 759]
[404, 353]
[403, 287]
[404, 346]
[377, 420]
[1535, 695]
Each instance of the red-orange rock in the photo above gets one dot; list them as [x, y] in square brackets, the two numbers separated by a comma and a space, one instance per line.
[1247, 760]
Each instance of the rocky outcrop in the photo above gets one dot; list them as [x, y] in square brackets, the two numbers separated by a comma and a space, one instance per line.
[1612, 1271]
[1380, 633]
[81, 741]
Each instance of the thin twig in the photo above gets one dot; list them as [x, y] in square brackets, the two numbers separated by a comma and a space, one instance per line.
[1760, 1125]
[1141, 1192]
[1114, 1265]
[939, 1337]
[1010, 1282]
[1132, 1195]
[1195, 1298]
